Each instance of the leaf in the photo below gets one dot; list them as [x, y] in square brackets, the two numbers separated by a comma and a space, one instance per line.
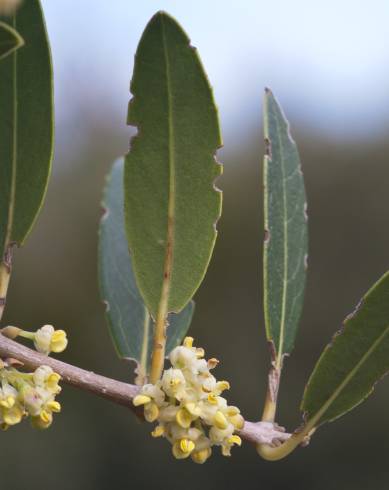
[171, 204]
[26, 126]
[129, 322]
[10, 40]
[356, 359]
[286, 236]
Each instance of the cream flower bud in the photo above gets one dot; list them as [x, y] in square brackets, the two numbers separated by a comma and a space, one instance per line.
[183, 358]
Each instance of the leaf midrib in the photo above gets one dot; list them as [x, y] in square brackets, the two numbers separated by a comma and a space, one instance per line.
[285, 241]
[168, 261]
[286, 255]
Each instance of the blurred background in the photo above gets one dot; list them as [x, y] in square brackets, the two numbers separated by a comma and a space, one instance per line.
[328, 64]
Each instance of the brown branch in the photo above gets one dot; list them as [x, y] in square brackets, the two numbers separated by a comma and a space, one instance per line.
[117, 391]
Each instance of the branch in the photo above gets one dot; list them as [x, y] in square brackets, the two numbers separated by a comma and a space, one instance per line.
[117, 391]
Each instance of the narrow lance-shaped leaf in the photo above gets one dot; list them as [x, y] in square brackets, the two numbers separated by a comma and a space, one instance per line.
[356, 359]
[129, 322]
[10, 40]
[171, 205]
[286, 242]
[26, 126]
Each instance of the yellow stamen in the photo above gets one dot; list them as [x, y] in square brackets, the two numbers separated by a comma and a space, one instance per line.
[151, 412]
[212, 363]
[11, 401]
[54, 378]
[52, 383]
[58, 335]
[45, 416]
[141, 400]
[212, 399]
[201, 457]
[175, 382]
[193, 409]
[177, 453]
[222, 386]
[237, 421]
[188, 342]
[13, 416]
[220, 420]
[231, 410]
[159, 431]
[59, 341]
[200, 353]
[54, 406]
[183, 418]
[235, 440]
[186, 446]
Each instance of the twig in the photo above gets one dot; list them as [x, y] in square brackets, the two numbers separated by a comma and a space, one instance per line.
[117, 391]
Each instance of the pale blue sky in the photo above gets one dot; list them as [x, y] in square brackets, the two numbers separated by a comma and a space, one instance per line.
[328, 62]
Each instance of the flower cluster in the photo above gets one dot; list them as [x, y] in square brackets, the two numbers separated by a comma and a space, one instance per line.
[33, 394]
[187, 405]
[28, 394]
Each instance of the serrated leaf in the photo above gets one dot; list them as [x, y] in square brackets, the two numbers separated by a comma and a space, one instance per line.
[129, 322]
[171, 204]
[356, 359]
[286, 237]
[10, 40]
[26, 126]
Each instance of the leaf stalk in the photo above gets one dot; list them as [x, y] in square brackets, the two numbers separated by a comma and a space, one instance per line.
[5, 276]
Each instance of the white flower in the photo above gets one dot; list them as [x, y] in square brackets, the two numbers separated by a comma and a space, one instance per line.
[183, 358]
[154, 392]
[47, 339]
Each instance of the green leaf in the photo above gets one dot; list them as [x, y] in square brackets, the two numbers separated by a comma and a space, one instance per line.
[26, 126]
[171, 204]
[129, 322]
[356, 359]
[10, 40]
[286, 237]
